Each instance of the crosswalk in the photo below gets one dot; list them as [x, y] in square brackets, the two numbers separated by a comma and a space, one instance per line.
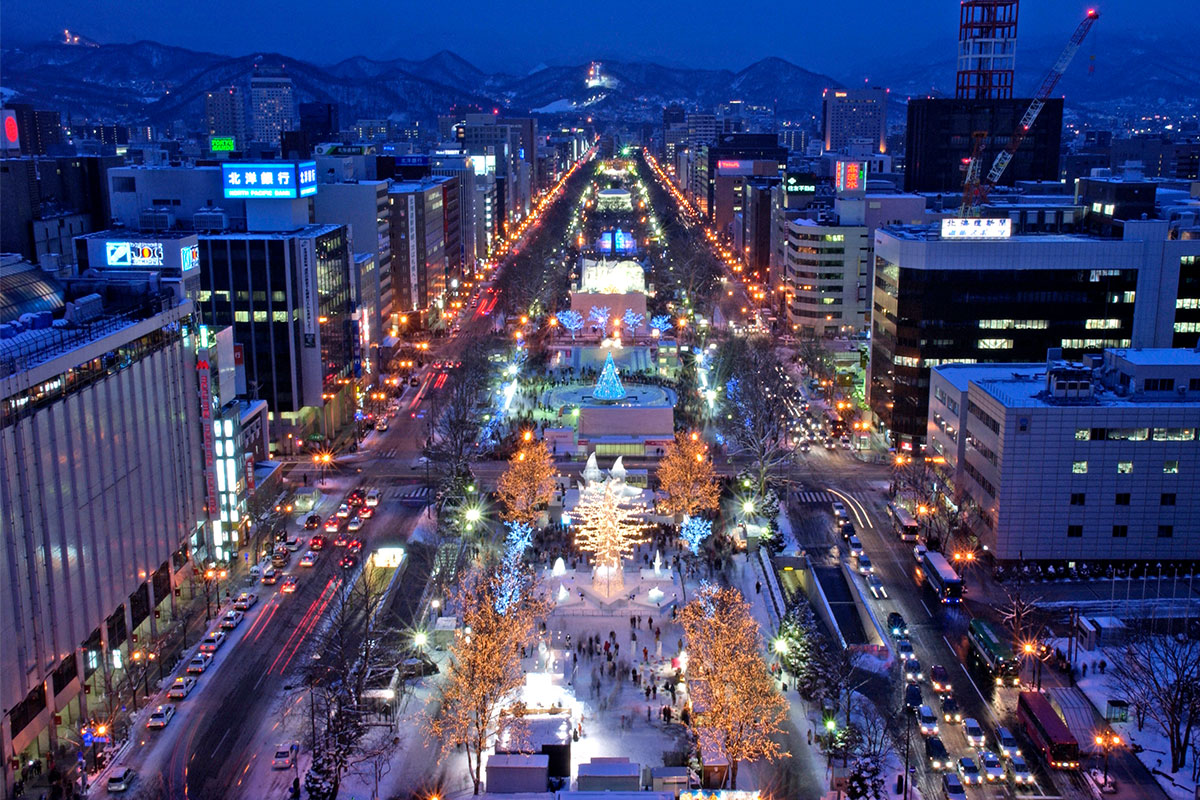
[814, 498]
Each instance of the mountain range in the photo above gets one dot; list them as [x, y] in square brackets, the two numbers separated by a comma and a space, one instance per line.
[152, 82]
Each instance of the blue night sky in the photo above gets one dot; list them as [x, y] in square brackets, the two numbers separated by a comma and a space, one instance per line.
[843, 39]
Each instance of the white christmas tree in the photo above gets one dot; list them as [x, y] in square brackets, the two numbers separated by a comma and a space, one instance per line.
[608, 386]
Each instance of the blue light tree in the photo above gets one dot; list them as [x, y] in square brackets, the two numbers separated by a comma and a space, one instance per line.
[608, 385]
[599, 315]
[513, 575]
[632, 320]
[660, 323]
[694, 531]
[571, 320]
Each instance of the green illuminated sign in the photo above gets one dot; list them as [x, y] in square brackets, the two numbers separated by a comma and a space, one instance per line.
[223, 144]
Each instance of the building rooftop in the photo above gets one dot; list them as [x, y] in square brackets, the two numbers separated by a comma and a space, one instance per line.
[307, 230]
[26, 289]
[961, 375]
[126, 233]
[1159, 356]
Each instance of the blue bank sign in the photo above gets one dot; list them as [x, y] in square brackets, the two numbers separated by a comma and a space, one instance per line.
[270, 180]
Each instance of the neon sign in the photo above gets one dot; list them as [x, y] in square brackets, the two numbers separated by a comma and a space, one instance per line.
[270, 180]
[133, 254]
[222, 144]
[851, 176]
[957, 228]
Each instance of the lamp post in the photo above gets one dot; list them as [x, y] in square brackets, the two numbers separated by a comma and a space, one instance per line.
[212, 576]
[1107, 742]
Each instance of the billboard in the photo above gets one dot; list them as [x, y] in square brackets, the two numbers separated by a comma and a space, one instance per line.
[623, 242]
[307, 257]
[133, 254]
[958, 228]
[851, 176]
[12, 133]
[222, 144]
[283, 180]
[189, 257]
[605, 243]
[803, 183]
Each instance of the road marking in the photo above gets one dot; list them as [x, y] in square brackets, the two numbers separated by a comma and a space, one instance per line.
[218, 747]
[930, 613]
[853, 508]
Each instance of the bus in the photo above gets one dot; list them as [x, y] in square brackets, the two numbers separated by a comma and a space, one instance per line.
[994, 652]
[941, 577]
[903, 523]
[834, 422]
[1047, 732]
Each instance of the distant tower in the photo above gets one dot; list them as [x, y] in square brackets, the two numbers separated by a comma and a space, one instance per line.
[987, 48]
[274, 105]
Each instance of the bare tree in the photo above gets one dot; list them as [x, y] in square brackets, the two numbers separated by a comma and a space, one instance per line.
[454, 420]
[755, 413]
[1021, 614]
[1162, 675]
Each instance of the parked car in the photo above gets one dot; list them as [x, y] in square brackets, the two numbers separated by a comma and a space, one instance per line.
[940, 679]
[232, 619]
[973, 732]
[120, 780]
[935, 751]
[284, 758]
[212, 643]
[181, 688]
[928, 721]
[160, 716]
[245, 601]
[896, 625]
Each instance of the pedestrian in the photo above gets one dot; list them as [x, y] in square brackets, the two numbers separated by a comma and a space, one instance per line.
[658, 633]
[647, 691]
[757, 587]
[632, 621]
[639, 620]
[649, 622]
[607, 647]
[1103, 665]
[654, 691]
[646, 654]
[647, 708]
[633, 635]
[667, 714]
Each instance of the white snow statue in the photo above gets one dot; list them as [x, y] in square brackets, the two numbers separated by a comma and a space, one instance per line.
[560, 567]
[618, 469]
[591, 472]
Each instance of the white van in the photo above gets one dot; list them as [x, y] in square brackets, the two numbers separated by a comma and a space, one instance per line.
[373, 498]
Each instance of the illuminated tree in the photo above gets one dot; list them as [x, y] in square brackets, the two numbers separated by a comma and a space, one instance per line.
[608, 385]
[571, 320]
[610, 527]
[632, 320]
[527, 484]
[694, 531]
[513, 575]
[480, 702]
[599, 315]
[687, 477]
[660, 323]
[739, 713]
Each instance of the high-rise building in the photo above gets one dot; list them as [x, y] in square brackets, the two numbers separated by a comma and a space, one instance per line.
[939, 138]
[987, 49]
[101, 496]
[419, 275]
[225, 114]
[273, 104]
[945, 299]
[701, 129]
[674, 129]
[855, 115]
[824, 265]
[1075, 461]
[321, 121]
[39, 130]
[733, 158]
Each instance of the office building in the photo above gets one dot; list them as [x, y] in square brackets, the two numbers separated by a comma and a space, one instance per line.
[39, 131]
[730, 161]
[100, 494]
[225, 115]
[851, 116]
[164, 197]
[942, 299]
[1075, 461]
[825, 263]
[471, 200]
[273, 105]
[939, 137]
[321, 121]
[49, 200]
[419, 272]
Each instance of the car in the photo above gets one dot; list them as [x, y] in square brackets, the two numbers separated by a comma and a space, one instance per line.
[865, 567]
[333, 524]
[830, 444]
[289, 584]
[245, 600]
[232, 619]
[919, 553]
[373, 497]
[896, 625]
[212, 643]
[875, 584]
[356, 498]
[952, 787]
[912, 697]
[927, 720]
[317, 543]
[381, 425]
[969, 772]
[270, 576]
[856, 546]
[308, 559]
[343, 511]
[1007, 743]
[905, 649]
[160, 716]
[950, 710]
[989, 763]
[935, 752]
[973, 732]
[285, 756]
[355, 524]
[348, 562]
[912, 671]
[281, 556]
[120, 780]
[181, 687]
[805, 447]
[355, 546]
[312, 522]
[1018, 771]
[847, 530]
[366, 512]
[292, 543]
[340, 540]
[940, 679]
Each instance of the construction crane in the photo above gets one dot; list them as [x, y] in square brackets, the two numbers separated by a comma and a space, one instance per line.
[975, 191]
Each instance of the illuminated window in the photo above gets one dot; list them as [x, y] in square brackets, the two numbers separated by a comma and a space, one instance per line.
[1079, 467]
[1102, 324]
[228, 429]
[994, 344]
[1188, 302]
[260, 316]
[1109, 208]
[279, 316]
[1083, 434]
[1171, 467]
[241, 316]
[1187, 327]
[1096, 207]
[1129, 296]
[1124, 467]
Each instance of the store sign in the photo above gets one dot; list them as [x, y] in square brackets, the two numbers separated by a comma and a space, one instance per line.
[189, 257]
[281, 180]
[851, 176]
[210, 462]
[222, 144]
[306, 252]
[957, 228]
[729, 164]
[805, 184]
[133, 254]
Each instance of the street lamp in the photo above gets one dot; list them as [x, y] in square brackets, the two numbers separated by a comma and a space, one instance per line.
[1107, 742]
